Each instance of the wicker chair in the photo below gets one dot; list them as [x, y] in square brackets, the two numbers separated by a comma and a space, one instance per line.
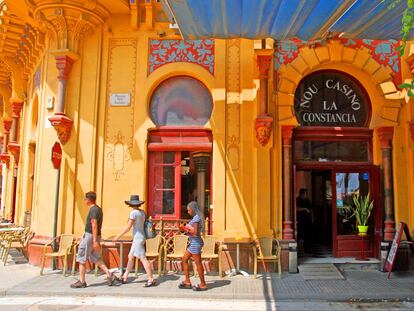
[174, 248]
[17, 240]
[267, 250]
[208, 252]
[66, 246]
[154, 249]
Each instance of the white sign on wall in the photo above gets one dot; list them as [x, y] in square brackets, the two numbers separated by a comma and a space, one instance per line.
[120, 99]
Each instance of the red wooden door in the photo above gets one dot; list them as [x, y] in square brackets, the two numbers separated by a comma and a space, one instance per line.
[346, 183]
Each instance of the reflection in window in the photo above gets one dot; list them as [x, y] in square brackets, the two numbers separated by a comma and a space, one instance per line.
[181, 101]
[335, 151]
[348, 185]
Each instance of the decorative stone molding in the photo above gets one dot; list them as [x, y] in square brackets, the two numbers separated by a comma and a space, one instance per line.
[64, 64]
[385, 135]
[263, 63]
[7, 125]
[263, 127]
[309, 59]
[411, 126]
[68, 22]
[5, 159]
[14, 149]
[63, 126]
[17, 106]
[287, 133]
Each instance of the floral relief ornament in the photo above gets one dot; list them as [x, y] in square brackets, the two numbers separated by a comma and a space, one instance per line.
[200, 52]
[118, 155]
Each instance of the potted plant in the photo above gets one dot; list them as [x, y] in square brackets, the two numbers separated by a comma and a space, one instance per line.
[362, 209]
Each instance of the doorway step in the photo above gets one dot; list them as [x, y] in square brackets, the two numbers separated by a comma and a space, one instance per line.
[346, 263]
[324, 271]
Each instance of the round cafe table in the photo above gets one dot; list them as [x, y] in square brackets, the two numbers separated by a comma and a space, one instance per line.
[237, 242]
[120, 242]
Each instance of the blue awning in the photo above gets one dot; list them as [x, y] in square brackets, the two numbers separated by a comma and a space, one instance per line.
[286, 19]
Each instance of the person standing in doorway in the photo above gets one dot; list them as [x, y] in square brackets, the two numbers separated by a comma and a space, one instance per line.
[194, 229]
[304, 218]
[136, 222]
[89, 246]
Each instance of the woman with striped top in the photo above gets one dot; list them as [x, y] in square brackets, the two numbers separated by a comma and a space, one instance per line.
[194, 230]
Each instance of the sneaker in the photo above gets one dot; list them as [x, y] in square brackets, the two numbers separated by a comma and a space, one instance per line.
[78, 284]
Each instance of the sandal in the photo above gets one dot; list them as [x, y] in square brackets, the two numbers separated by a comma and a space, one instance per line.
[183, 285]
[111, 279]
[78, 284]
[149, 284]
[197, 288]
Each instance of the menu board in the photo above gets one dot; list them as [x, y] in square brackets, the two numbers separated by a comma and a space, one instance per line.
[402, 227]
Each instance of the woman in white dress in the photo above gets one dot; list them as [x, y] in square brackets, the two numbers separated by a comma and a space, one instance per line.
[136, 222]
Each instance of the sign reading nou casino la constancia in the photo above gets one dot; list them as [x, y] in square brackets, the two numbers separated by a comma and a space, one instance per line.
[331, 98]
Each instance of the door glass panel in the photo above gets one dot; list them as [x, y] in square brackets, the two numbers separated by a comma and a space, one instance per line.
[164, 157]
[163, 202]
[348, 185]
[164, 177]
[332, 151]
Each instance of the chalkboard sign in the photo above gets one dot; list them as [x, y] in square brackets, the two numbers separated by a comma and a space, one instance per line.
[402, 227]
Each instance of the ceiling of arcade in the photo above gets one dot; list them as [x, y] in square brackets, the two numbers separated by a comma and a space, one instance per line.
[24, 25]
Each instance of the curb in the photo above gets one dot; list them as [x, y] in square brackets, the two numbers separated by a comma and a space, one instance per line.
[191, 295]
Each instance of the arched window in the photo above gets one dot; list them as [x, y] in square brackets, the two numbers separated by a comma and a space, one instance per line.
[181, 101]
[180, 107]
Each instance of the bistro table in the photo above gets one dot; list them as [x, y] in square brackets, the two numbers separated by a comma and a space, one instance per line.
[11, 229]
[237, 242]
[120, 242]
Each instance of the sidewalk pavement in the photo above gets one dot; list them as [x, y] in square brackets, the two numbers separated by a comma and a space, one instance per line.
[358, 286]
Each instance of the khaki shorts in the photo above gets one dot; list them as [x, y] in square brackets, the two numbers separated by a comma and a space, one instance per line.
[85, 249]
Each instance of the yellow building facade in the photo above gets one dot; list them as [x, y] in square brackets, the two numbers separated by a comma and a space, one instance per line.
[89, 75]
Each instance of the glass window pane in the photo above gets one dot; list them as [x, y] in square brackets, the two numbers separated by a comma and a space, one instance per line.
[164, 177]
[181, 101]
[348, 185]
[167, 157]
[335, 151]
[163, 202]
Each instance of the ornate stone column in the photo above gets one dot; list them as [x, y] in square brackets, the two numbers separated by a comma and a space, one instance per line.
[13, 146]
[202, 164]
[5, 157]
[385, 135]
[62, 123]
[287, 132]
[263, 124]
[67, 23]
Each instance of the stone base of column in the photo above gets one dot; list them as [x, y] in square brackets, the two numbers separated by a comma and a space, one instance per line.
[389, 230]
[287, 230]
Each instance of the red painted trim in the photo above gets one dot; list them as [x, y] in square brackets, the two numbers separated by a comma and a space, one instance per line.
[208, 147]
[332, 133]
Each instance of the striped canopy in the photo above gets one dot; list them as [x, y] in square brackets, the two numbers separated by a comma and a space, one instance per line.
[286, 19]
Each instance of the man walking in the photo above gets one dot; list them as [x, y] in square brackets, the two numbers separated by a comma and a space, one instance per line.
[89, 246]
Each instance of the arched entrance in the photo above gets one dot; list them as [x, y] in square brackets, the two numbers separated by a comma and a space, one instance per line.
[332, 162]
[179, 157]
